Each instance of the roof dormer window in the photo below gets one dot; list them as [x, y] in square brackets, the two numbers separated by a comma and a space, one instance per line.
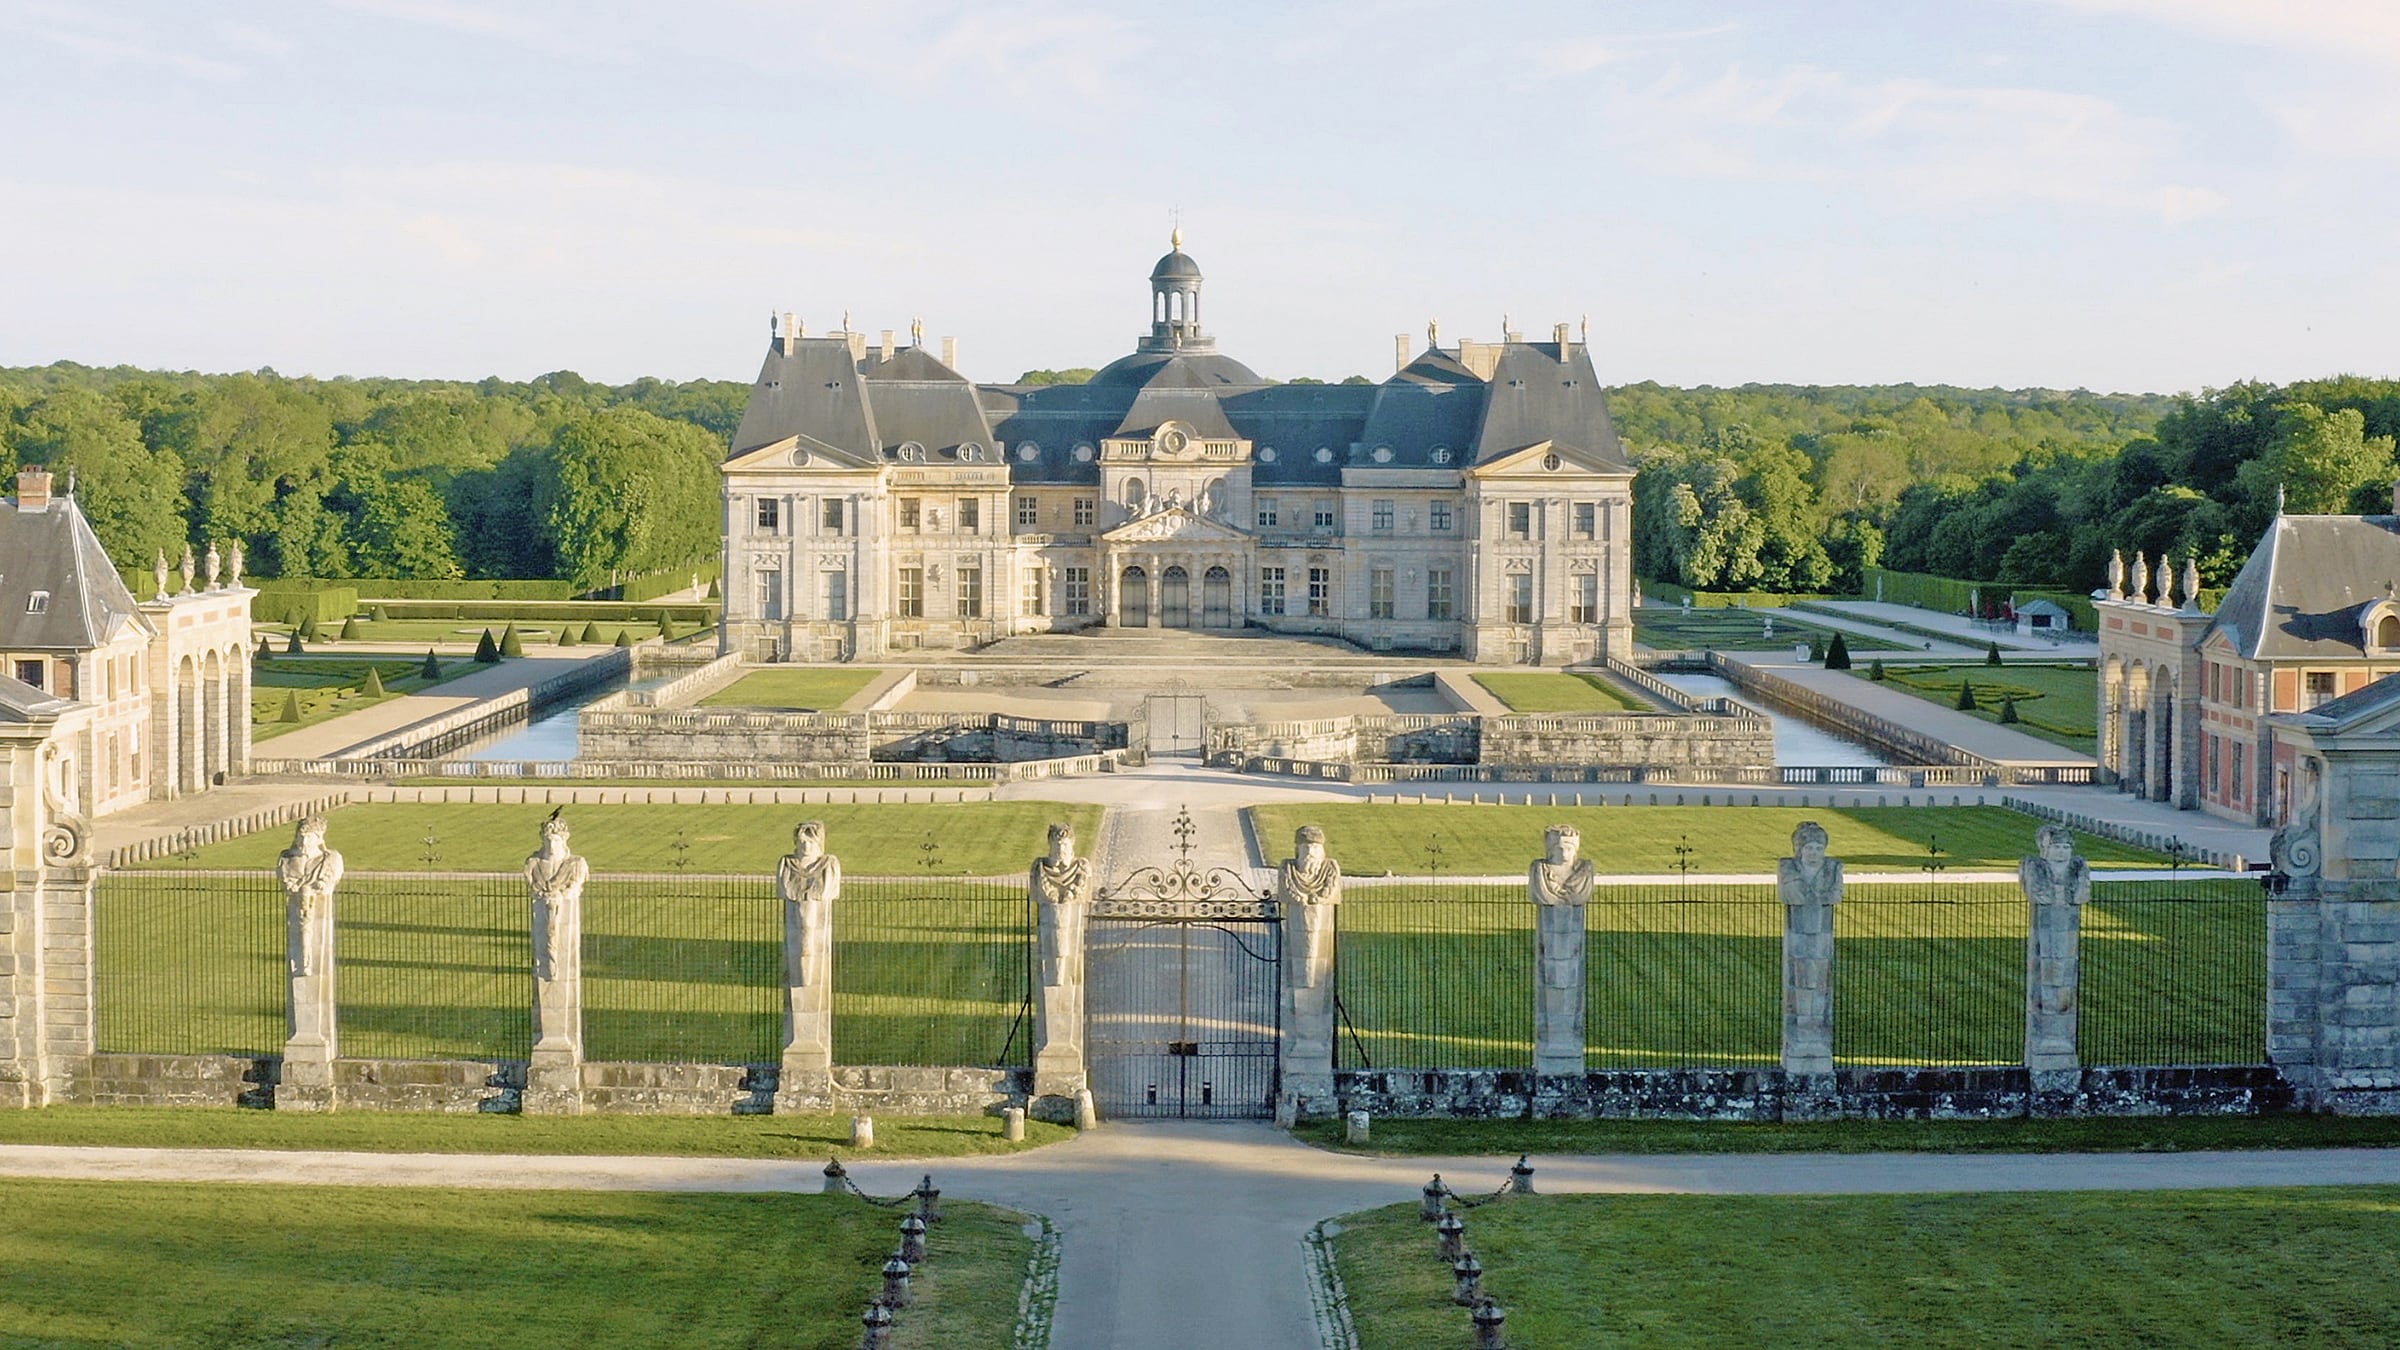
[38, 603]
[912, 452]
[2379, 626]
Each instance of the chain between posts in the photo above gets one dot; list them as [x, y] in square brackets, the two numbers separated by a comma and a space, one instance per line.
[835, 1170]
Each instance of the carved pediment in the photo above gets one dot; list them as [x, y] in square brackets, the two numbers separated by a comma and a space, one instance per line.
[1545, 459]
[804, 454]
[1175, 524]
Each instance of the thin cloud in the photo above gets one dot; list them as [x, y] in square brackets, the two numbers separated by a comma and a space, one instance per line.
[104, 40]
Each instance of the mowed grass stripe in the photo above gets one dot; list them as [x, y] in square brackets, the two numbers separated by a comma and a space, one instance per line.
[1502, 840]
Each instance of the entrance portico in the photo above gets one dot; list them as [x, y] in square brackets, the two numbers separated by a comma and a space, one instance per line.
[1174, 568]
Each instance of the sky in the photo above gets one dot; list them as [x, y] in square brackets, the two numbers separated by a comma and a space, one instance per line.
[2120, 195]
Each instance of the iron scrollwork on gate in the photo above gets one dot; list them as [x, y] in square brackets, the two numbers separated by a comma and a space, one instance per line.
[1182, 890]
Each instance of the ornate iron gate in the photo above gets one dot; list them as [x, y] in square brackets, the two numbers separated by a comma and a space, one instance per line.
[1183, 1000]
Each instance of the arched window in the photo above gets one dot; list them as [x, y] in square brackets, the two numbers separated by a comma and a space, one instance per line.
[2387, 631]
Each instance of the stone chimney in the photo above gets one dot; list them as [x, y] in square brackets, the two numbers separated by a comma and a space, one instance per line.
[33, 488]
[950, 352]
[1400, 363]
[1558, 334]
[791, 333]
[887, 344]
[858, 345]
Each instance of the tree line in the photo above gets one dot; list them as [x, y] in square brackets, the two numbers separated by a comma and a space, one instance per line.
[1765, 487]
[1777, 488]
[552, 478]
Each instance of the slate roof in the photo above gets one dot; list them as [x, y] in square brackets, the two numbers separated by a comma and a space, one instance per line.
[1435, 414]
[2301, 592]
[51, 549]
[22, 703]
[2357, 706]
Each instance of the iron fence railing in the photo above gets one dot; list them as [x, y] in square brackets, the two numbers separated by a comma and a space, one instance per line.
[433, 965]
[683, 969]
[1683, 975]
[2174, 972]
[1929, 973]
[1430, 975]
[933, 971]
[188, 963]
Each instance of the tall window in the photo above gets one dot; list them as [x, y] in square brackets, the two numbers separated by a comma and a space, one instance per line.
[1075, 592]
[770, 515]
[1268, 509]
[1270, 590]
[832, 518]
[836, 585]
[1379, 593]
[1520, 520]
[1520, 597]
[909, 513]
[1029, 512]
[1320, 591]
[1587, 518]
[1381, 515]
[1033, 592]
[1086, 510]
[1439, 595]
[1321, 515]
[1586, 608]
[912, 592]
[770, 595]
[1438, 516]
[2320, 688]
[970, 515]
[970, 590]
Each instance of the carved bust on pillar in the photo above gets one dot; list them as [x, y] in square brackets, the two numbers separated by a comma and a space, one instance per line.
[1309, 885]
[554, 880]
[309, 871]
[1560, 884]
[1061, 884]
[809, 879]
[1809, 884]
[2058, 884]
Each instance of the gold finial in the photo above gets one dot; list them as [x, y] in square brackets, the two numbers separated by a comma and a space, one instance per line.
[1175, 237]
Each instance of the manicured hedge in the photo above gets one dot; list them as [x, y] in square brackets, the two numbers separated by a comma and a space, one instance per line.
[549, 611]
[389, 588]
[673, 579]
[1670, 593]
[329, 604]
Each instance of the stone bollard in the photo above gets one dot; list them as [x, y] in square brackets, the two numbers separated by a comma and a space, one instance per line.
[912, 1240]
[1469, 1273]
[1087, 1116]
[1520, 1176]
[929, 1200]
[879, 1327]
[1429, 1202]
[1287, 1112]
[862, 1131]
[1491, 1326]
[895, 1281]
[836, 1177]
[1012, 1124]
[1355, 1128]
[1450, 1233]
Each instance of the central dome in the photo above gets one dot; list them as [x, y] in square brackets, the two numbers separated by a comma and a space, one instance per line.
[1176, 266]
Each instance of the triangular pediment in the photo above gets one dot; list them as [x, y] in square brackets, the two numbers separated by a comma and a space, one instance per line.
[1533, 461]
[804, 454]
[1177, 524]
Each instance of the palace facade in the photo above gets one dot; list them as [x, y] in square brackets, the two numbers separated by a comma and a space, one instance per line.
[1477, 501]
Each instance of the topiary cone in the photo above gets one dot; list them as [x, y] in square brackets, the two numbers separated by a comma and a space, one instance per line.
[624, 637]
[291, 707]
[510, 643]
[349, 628]
[433, 667]
[486, 650]
[373, 688]
[1966, 696]
[566, 635]
[1837, 656]
[2008, 707]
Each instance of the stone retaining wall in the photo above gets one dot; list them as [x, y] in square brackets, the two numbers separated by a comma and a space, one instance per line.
[1768, 1094]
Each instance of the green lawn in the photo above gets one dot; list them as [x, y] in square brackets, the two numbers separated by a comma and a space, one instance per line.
[581, 1136]
[969, 838]
[675, 970]
[2174, 973]
[1502, 1139]
[1546, 692]
[125, 1263]
[420, 631]
[2058, 703]
[2224, 1267]
[1737, 630]
[1503, 840]
[796, 688]
[329, 686]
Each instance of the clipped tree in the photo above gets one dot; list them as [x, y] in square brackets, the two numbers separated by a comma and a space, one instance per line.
[432, 670]
[1837, 656]
[1991, 654]
[666, 626]
[291, 707]
[624, 637]
[566, 635]
[293, 647]
[2008, 707]
[486, 650]
[377, 613]
[715, 592]
[1966, 697]
[349, 628]
[1816, 648]
[510, 643]
[308, 628]
[373, 688]
[1875, 669]
[265, 647]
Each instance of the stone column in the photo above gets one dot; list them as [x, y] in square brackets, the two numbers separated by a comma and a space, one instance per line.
[554, 881]
[1560, 885]
[1810, 885]
[1061, 888]
[2058, 884]
[809, 879]
[2295, 949]
[1308, 890]
[309, 872]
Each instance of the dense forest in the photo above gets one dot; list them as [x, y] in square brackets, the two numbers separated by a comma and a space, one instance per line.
[1796, 489]
[1764, 487]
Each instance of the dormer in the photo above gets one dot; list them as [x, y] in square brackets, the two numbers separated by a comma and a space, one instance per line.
[2379, 627]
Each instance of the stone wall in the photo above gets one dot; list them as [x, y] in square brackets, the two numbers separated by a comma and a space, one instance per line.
[683, 735]
[1767, 1094]
[174, 1080]
[1628, 738]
